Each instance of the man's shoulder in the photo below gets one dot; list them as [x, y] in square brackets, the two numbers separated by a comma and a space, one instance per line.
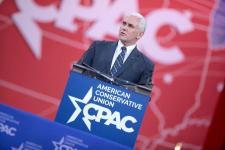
[145, 59]
[104, 42]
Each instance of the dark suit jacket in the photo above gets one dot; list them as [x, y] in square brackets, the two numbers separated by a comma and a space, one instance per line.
[137, 68]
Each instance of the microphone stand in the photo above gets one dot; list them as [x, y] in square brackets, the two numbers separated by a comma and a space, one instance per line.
[114, 80]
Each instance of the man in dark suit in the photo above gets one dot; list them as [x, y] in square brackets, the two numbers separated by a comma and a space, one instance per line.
[122, 59]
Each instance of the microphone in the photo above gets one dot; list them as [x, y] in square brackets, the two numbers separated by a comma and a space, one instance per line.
[99, 73]
[113, 80]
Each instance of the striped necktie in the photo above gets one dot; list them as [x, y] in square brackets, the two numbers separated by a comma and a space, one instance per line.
[119, 62]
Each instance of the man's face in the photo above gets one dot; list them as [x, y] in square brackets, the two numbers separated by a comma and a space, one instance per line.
[129, 31]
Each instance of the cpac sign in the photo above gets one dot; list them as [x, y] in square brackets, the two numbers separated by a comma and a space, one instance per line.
[8, 130]
[115, 114]
[104, 15]
[101, 113]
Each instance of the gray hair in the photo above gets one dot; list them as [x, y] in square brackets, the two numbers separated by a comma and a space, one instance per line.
[142, 23]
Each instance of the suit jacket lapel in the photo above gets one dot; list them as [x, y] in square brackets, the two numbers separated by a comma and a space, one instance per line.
[109, 56]
[130, 60]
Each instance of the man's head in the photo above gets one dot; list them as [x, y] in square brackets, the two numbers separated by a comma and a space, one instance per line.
[132, 28]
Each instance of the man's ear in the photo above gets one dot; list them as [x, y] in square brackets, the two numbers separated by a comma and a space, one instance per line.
[140, 35]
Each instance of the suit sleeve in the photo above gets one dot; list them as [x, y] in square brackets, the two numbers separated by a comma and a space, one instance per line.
[88, 56]
[146, 77]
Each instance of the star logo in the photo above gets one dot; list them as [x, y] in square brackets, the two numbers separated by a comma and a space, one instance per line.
[19, 148]
[60, 145]
[77, 111]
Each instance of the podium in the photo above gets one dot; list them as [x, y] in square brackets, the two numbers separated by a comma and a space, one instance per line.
[106, 109]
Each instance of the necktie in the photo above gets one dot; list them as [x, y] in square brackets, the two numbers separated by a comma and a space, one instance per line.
[119, 62]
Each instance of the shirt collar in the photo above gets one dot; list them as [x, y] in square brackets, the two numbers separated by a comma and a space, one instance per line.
[129, 48]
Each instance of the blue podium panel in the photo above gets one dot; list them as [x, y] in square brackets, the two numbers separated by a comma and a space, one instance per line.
[103, 109]
[24, 131]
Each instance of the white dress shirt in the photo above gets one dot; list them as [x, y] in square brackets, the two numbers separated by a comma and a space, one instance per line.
[119, 50]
